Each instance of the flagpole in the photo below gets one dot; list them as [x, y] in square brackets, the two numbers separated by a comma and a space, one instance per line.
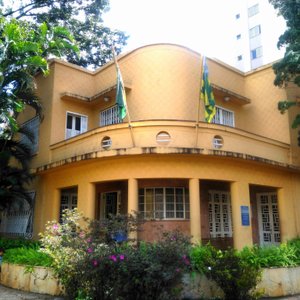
[199, 100]
[128, 115]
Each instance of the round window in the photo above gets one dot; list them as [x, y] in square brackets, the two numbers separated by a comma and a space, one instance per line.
[218, 142]
[163, 138]
[106, 142]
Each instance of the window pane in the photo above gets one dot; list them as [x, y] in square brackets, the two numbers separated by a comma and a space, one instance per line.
[69, 121]
[77, 123]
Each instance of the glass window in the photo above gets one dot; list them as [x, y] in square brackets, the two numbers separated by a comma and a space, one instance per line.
[255, 31]
[164, 203]
[223, 117]
[240, 57]
[255, 53]
[238, 37]
[237, 16]
[253, 10]
[68, 200]
[76, 124]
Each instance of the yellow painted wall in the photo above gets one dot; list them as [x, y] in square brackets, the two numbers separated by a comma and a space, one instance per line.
[168, 166]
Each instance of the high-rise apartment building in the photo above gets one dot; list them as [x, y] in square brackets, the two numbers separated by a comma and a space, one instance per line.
[255, 32]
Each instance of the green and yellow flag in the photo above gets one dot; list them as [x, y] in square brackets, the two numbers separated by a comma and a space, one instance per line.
[207, 94]
[121, 95]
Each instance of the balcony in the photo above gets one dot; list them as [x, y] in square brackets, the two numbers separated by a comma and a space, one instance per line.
[167, 137]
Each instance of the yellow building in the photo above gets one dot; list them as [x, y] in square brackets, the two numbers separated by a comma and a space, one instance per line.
[234, 181]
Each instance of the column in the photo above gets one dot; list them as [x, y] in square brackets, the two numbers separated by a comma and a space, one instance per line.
[287, 214]
[132, 202]
[195, 221]
[241, 222]
[132, 196]
[86, 199]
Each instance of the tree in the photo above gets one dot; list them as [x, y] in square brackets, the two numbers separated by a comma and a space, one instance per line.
[24, 50]
[83, 19]
[287, 70]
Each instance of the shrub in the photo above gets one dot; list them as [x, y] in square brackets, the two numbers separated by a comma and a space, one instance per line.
[10, 243]
[284, 255]
[27, 256]
[92, 265]
[235, 276]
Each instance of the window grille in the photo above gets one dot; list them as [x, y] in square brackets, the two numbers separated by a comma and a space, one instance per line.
[164, 203]
[110, 116]
[17, 220]
[219, 214]
[68, 200]
[223, 117]
[32, 141]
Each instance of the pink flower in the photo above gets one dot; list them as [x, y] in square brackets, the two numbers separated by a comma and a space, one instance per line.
[121, 256]
[89, 250]
[177, 270]
[88, 240]
[95, 263]
[185, 260]
[82, 234]
[55, 226]
[113, 258]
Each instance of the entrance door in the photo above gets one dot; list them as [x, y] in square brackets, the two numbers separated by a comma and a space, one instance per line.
[268, 218]
[110, 204]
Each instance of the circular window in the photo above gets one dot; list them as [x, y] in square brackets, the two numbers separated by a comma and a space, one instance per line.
[218, 142]
[163, 138]
[106, 142]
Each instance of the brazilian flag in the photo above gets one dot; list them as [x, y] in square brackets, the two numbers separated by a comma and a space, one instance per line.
[121, 96]
[207, 94]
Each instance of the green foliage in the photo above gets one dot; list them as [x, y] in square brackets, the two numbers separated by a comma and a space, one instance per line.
[235, 276]
[287, 70]
[82, 18]
[27, 256]
[91, 265]
[284, 255]
[8, 243]
[24, 50]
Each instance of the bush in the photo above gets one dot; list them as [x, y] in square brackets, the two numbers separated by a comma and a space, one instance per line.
[10, 243]
[92, 265]
[235, 276]
[27, 256]
[284, 255]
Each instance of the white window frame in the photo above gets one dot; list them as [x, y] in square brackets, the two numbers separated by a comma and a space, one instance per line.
[219, 203]
[71, 195]
[221, 118]
[83, 124]
[33, 126]
[256, 53]
[161, 214]
[267, 208]
[253, 10]
[109, 116]
[254, 31]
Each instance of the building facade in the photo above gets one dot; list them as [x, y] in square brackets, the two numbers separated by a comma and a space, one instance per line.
[234, 181]
[255, 31]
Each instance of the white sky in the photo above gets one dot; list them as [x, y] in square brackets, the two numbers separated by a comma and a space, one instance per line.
[191, 23]
[197, 24]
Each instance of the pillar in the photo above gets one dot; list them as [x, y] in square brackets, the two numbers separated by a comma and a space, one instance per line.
[240, 203]
[132, 196]
[195, 221]
[87, 199]
[132, 202]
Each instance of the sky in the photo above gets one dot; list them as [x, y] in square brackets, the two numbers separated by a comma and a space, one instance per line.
[191, 23]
